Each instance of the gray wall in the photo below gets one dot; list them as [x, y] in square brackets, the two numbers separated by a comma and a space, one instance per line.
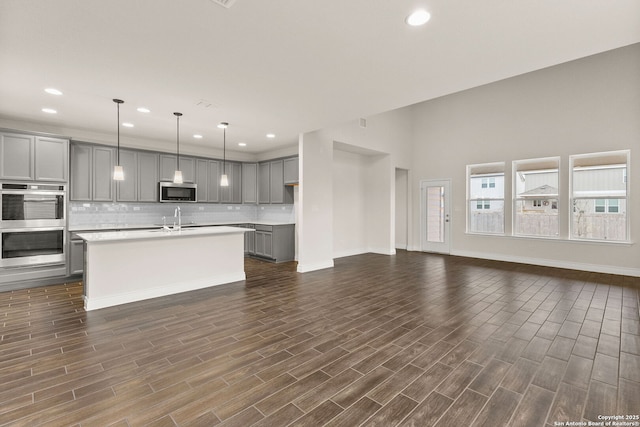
[584, 106]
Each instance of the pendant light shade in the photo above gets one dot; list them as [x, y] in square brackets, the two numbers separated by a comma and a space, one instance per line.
[177, 176]
[118, 172]
[224, 179]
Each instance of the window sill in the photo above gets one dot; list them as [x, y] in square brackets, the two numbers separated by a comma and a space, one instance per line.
[555, 239]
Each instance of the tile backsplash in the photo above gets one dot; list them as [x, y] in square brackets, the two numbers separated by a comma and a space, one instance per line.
[107, 215]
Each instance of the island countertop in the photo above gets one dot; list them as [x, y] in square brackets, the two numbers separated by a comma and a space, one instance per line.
[158, 233]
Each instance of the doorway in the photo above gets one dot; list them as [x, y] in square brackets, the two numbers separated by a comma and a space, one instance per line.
[435, 215]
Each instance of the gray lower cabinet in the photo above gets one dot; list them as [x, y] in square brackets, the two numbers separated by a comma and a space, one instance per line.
[28, 157]
[76, 255]
[168, 164]
[275, 242]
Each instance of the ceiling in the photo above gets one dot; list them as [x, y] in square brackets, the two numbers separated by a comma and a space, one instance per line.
[276, 66]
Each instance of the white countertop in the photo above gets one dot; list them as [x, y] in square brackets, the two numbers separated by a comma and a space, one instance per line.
[158, 233]
[105, 227]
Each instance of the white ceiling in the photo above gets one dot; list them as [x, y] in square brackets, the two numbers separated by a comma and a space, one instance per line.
[281, 66]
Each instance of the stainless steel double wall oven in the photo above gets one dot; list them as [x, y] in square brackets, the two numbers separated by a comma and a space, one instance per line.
[32, 228]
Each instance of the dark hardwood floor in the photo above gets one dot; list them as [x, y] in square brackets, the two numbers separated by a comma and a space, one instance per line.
[411, 340]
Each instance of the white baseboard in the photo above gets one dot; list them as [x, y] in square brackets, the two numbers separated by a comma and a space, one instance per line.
[124, 298]
[596, 268]
[350, 252]
[382, 251]
[305, 268]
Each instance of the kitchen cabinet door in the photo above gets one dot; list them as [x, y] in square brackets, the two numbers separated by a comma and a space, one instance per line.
[202, 180]
[264, 195]
[102, 174]
[16, 156]
[232, 193]
[147, 177]
[127, 191]
[291, 170]
[276, 181]
[51, 159]
[250, 242]
[236, 183]
[168, 164]
[214, 181]
[81, 172]
[76, 257]
[249, 183]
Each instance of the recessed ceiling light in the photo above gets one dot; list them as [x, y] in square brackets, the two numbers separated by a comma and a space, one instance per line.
[196, 136]
[53, 91]
[271, 135]
[127, 125]
[49, 111]
[242, 144]
[419, 17]
[143, 110]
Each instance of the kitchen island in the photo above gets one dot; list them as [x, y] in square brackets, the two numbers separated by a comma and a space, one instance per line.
[128, 266]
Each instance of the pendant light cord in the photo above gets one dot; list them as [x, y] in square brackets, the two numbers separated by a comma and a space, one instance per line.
[178, 139]
[224, 151]
[118, 154]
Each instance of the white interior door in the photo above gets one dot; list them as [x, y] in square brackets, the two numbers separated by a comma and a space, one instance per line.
[435, 196]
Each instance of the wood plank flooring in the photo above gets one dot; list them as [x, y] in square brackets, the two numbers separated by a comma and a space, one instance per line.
[411, 340]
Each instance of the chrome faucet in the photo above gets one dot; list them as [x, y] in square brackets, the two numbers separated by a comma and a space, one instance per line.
[177, 214]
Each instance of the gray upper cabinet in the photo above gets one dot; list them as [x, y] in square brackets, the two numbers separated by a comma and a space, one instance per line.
[103, 163]
[213, 192]
[28, 158]
[147, 177]
[81, 172]
[208, 180]
[249, 183]
[264, 195]
[92, 173]
[51, 159]
[16, 156]
[127, 190]
[276, 181]
[202, 180]
[168, 164]
[291, 170]
[232, 193]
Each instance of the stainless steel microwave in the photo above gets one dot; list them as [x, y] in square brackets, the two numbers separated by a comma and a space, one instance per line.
[170, 192]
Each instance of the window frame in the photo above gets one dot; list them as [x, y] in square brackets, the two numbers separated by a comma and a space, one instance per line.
[590, 160]
[553, 200]
[489, 171]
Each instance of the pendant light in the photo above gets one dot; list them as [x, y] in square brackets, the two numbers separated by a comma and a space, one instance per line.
[118, 172]
[224, 179]
[177, 176]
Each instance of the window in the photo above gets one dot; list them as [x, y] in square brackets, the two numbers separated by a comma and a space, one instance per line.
[535, 188]
[488, 182]
[599, 196]
[483, 204]
[485, 196]
[607, 205]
